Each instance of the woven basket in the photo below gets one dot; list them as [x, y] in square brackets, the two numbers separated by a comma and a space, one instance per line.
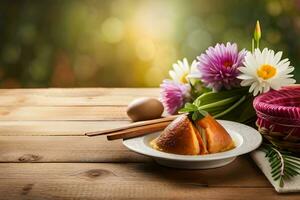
[278, 117]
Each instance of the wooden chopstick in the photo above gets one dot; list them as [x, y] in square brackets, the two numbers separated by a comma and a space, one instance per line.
[138, 131]
[132, 125]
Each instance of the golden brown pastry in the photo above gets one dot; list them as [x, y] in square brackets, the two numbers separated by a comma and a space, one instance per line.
[180, 137]
[217, 138]
[183, 137]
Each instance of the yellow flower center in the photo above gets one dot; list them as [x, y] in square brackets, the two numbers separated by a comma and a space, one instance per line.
[183, 78]
[266, 71]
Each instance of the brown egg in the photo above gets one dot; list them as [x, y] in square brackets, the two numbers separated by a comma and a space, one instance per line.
[145, 109]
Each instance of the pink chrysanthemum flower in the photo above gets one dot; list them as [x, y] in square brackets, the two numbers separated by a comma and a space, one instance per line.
[218, 66]
[174, 95]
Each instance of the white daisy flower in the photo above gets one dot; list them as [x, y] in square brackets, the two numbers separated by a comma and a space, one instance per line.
[181, 70]
[264, 70]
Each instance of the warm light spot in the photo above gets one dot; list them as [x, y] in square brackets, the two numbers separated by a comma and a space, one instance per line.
[145, 49]
[112, 30]
[183, 78]
[266, 71]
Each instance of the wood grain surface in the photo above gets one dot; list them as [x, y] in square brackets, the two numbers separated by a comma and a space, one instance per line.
[45, 155]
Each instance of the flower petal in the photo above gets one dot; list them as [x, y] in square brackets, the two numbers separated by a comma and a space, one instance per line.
[256, 90]
[276, 58]
[245, 77]
[247, 82]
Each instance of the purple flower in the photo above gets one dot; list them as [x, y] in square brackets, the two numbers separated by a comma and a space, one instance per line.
[174, 95]
[218, 66]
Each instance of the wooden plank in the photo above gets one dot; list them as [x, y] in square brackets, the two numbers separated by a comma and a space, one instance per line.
[40, 100]
[64, 149]
[136, 180]
[232, 175]
[63, 113]
[76, 149]
[67, 190]
[73, 97]
[81, 92]
[55, 128]
[133, 172]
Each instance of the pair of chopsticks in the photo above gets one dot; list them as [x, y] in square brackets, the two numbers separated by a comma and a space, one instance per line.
[135, 129]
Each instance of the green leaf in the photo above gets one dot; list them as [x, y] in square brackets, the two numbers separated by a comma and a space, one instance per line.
[199, 114]
[185, 110]
[195, 116]
[281, 182]
[226, 105]
[210, 97]
[275, 163]
[293, 158]
[197, 102]
[188, 107]
[243, 113]
[230, 108]
[194, 112]
[283, 164]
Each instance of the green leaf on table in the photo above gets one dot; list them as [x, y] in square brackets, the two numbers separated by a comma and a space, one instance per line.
[284, 165]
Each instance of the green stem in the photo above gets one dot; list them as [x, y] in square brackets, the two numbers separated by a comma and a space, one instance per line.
[219, 103]
[230, 108]
[252, 43]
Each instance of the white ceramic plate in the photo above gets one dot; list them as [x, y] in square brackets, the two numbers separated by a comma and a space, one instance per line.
[246, 139]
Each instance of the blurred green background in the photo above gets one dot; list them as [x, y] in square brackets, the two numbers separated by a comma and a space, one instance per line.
[126, 43]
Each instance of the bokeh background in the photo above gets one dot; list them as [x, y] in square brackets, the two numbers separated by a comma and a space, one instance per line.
[130, 43]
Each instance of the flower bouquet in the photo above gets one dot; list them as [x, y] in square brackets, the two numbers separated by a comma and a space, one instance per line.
[224, 82]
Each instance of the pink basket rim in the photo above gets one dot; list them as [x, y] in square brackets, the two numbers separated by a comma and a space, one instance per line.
[262, 105]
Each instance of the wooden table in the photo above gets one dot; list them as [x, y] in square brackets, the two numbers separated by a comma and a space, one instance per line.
[44, 154]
